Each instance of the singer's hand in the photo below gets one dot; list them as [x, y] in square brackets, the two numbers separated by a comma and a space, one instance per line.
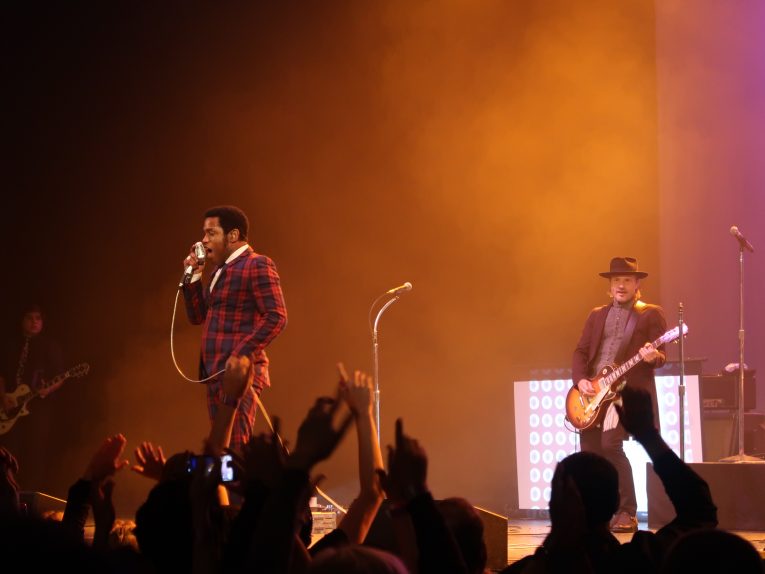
[191, 260]
[236, 379]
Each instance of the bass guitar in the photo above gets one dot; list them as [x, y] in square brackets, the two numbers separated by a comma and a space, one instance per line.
[584, 411]
[23, 394]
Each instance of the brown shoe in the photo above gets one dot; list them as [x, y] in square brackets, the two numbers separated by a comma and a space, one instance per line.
[624, 522]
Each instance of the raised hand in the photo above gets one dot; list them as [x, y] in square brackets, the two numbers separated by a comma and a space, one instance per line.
[107, 459]
[103, 511]
[407, 468]
[317, 436]
[150, 461]
[356, 392]
[636, 411]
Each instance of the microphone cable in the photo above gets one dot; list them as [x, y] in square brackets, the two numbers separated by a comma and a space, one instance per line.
[262, 407]
[172, 348]
[270, 425]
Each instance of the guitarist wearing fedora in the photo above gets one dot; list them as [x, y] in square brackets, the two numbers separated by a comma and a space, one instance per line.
[611, 334]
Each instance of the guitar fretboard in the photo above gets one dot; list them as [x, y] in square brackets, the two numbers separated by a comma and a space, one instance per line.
[622, 369]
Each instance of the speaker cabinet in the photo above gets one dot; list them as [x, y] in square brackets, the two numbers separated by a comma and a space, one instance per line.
[754, 434]
[721, 391]
[718, 432]
[495, 535]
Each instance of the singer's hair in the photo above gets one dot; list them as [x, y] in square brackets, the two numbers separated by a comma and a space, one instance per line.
[230, 217]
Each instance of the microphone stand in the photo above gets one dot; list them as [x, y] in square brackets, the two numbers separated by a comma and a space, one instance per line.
[376, 358]
[681, 386]
[741, 456]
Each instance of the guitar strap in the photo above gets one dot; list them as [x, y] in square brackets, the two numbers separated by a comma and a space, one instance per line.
[22, 362]
[637, 309]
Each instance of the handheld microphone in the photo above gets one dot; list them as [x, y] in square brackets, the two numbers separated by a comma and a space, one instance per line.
[741, 239]
[199, 253]
[400, 289]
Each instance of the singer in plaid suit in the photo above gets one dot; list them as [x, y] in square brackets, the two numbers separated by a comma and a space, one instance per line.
[242, 310]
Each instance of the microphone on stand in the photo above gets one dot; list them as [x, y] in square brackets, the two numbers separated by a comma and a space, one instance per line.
[741, 239]
[199, 253]
[400, 289]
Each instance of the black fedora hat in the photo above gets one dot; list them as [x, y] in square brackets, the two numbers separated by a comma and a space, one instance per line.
[624, 266]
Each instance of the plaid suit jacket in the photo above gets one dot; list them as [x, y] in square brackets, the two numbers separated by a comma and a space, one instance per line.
[244, 312]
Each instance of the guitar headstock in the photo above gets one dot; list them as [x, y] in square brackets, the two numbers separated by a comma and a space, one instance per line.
[673, 334]
[78, 371]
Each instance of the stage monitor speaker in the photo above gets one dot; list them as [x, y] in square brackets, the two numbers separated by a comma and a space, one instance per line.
[721, 391]
[494, 534]
[718, 433]
[736, 491]
[754, 434]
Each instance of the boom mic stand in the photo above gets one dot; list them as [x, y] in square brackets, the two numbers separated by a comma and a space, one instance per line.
[741, 456]
[681, 386]
[395, 295]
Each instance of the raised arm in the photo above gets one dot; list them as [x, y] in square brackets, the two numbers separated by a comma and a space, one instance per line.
[95, 488]
[357, 393]
[149, 461]
[689, 493]
[319, 434]
[405, 483]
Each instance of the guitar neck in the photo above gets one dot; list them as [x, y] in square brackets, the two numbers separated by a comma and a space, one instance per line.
[52, 383]
[622, 369]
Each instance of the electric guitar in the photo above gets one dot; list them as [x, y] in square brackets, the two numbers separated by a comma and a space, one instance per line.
[584, 411]
[23, 394]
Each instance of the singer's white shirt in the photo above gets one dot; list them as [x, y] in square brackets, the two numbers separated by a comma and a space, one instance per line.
[234, 255]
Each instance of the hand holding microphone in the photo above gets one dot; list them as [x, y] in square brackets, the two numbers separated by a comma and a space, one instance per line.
[194, 263]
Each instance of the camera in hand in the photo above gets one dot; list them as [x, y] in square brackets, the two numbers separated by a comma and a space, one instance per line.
[207, 463]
